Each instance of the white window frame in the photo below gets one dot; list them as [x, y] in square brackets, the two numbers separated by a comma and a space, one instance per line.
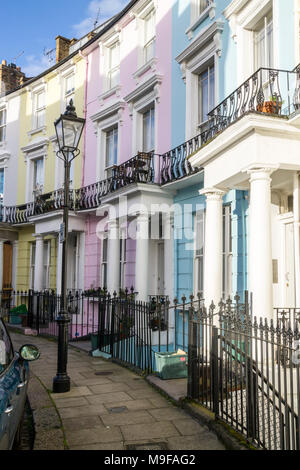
[204, 50]
[243, 20]
[149, 42]
[111, 40]
[200, 10]
[146, 146]
[207, 69]
[227, 251]
[39, 113]
[267, 22]
[112, 69]
[104, 262]
[69, 93]
[123, 259]
[199, 218]
[145, 96]
[47, 264]
[38, 188]
[147, 9]
[103, 121]
[108, 168]
[32, 265]
[3, 126]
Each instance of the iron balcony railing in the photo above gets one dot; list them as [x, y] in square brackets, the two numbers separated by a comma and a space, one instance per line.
[268, 91]
[139, 169]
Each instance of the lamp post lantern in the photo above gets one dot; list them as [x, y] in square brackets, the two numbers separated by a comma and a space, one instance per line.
[68, 129]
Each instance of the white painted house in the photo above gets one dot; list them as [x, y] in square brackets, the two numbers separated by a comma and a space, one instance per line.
[254, 144]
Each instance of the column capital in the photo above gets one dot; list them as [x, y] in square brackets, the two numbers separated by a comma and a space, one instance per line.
[260, 172]
[113, 224]
[142, 216]
[38, 236]
[213, 194]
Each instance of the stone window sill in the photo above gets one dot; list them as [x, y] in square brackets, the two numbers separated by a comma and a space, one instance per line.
[210, 11]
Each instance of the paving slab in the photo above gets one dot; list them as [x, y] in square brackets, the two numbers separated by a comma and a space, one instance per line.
[95, 435]
[108, 407]
[159, 430]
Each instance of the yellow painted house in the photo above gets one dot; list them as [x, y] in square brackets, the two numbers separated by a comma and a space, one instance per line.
[40, 174]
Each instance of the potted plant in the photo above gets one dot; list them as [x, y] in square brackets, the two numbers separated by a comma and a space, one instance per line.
[273, 106]
[157, 324]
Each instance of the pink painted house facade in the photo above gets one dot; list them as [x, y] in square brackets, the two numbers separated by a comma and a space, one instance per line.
[128, 125]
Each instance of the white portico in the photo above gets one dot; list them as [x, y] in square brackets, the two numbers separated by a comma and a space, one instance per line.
[259, 154]
[137, 241]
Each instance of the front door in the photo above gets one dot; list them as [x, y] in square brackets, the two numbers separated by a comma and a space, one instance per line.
[7, 265]
[289, 274]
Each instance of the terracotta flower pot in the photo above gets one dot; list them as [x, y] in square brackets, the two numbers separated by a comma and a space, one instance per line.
[269, 107]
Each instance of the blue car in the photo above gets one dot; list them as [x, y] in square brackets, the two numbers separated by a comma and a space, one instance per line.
[14, 376]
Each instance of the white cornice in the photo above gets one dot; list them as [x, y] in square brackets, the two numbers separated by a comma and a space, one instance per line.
[36, 145]
[234, 7]
[204, 36]
[251, 122]
[144, 88]
[105, 113]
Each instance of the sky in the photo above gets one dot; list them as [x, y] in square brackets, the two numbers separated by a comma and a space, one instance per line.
[29, 28]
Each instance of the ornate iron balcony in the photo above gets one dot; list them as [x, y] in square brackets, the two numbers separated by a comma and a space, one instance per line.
[139, 169]
[268, 91]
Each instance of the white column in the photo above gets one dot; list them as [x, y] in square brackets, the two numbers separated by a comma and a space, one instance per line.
[113, 265]
[297, 236]
[142, 257]
[39, 263]
[260, 243]
[58, 266]
[169, 256]
[1, 265]
[213, 246]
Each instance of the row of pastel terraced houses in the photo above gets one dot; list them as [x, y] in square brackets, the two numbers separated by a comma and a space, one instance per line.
[187, 180]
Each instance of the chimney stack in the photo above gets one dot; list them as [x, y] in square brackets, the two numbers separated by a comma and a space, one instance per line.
[11, 77]
[62, 48]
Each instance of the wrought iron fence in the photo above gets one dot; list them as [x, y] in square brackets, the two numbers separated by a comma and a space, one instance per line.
[246, 370]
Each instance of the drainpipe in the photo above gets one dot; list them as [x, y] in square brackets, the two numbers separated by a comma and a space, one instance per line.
[85, 113]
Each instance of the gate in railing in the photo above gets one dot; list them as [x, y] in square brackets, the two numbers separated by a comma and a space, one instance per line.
[246, 372]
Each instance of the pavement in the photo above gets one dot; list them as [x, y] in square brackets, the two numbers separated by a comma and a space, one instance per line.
[109, 407]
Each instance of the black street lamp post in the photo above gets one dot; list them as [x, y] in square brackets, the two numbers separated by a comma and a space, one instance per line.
[69, 129]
